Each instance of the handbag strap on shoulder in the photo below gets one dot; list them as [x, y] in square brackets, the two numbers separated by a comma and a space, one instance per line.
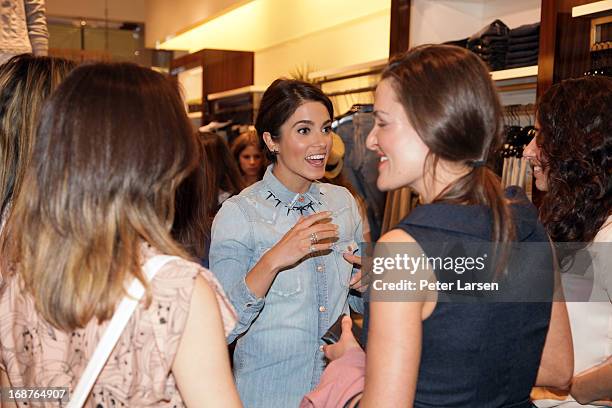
[113, 332]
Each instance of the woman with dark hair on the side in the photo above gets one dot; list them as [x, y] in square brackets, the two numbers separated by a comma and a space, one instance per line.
[93, 218]
[277, 248]
[571, 157]
[223, 176]
[437, 121]
[192, 219]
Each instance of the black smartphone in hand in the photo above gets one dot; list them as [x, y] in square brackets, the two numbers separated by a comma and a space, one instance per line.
[332, 336]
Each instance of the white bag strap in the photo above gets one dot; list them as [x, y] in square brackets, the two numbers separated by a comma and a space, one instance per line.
[114, 330]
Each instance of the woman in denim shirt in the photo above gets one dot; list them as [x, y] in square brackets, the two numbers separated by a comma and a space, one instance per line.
[278, 248]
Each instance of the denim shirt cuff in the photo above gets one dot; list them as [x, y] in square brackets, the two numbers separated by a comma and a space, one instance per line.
[244, 300]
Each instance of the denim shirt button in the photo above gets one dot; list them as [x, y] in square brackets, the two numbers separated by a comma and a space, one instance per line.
[322, 309]
[320, 268]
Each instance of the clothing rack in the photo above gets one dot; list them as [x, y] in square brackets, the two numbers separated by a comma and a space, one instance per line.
[351, 91]
[515, 169]
[348, 72]
[521, 110]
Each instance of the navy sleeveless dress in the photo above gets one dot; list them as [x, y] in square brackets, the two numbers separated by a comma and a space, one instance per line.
[481, 354]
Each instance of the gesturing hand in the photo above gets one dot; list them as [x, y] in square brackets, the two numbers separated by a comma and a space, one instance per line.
[356, 282]
[308, 235]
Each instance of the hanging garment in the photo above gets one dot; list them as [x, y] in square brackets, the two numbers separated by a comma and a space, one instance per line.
[361, 164]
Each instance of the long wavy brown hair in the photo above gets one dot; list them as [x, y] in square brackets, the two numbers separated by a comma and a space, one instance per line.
[575, 141]
[25, 82]
[451, 102]
[113, 144]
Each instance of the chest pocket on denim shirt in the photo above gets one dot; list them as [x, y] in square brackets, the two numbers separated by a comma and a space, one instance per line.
[287, 282]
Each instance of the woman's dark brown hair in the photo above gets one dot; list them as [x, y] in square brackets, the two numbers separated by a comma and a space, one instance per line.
[575, 141]
[25, 82]
[222, 171]
[280, 101]
[113, 144]
[191, 227]
[451, 102]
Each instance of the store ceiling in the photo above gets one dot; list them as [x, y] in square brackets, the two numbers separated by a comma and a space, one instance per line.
[260, 24]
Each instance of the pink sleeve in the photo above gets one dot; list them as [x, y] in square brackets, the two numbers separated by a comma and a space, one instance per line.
[343, 379]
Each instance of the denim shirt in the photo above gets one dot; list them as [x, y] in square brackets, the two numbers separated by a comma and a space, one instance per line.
[278, 356]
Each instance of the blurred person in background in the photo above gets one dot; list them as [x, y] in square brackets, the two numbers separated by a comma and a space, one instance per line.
[192, 221]
[23, 28]
[249, 156]
[25, 83]
[222, 173]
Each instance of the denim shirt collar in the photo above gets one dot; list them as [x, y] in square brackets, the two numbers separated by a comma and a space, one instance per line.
[288, 197]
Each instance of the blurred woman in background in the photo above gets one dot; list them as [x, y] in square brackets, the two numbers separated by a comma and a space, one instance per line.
[222, 173]
[25, 82]
[249, 156]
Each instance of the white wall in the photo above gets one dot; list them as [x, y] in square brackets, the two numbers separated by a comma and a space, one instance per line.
[362, 40]
[437, 21]
[118, 10]
[512, 12]
[167, 17]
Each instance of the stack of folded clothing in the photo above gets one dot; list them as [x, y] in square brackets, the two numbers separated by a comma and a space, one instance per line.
[491, 44]
[523, 46]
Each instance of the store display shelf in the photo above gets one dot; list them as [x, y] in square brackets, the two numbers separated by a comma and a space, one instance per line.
[237, 91]
[592, 8]
[515, 73]
[194, 115]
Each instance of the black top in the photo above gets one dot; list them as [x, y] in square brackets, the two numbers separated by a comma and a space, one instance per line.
[482, 353]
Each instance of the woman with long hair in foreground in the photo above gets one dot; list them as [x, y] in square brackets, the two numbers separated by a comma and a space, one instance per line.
[97, 203]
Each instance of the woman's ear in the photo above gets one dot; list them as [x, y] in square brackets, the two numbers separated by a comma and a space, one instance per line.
[270, 143]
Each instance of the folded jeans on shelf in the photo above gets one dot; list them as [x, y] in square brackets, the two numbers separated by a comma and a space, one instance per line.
[488, 41]
[522, 54]
[525, 30]
[496, 28]
[484, 49]
[521, 60]
[523, 40]
[523, 47]
[521, 64]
